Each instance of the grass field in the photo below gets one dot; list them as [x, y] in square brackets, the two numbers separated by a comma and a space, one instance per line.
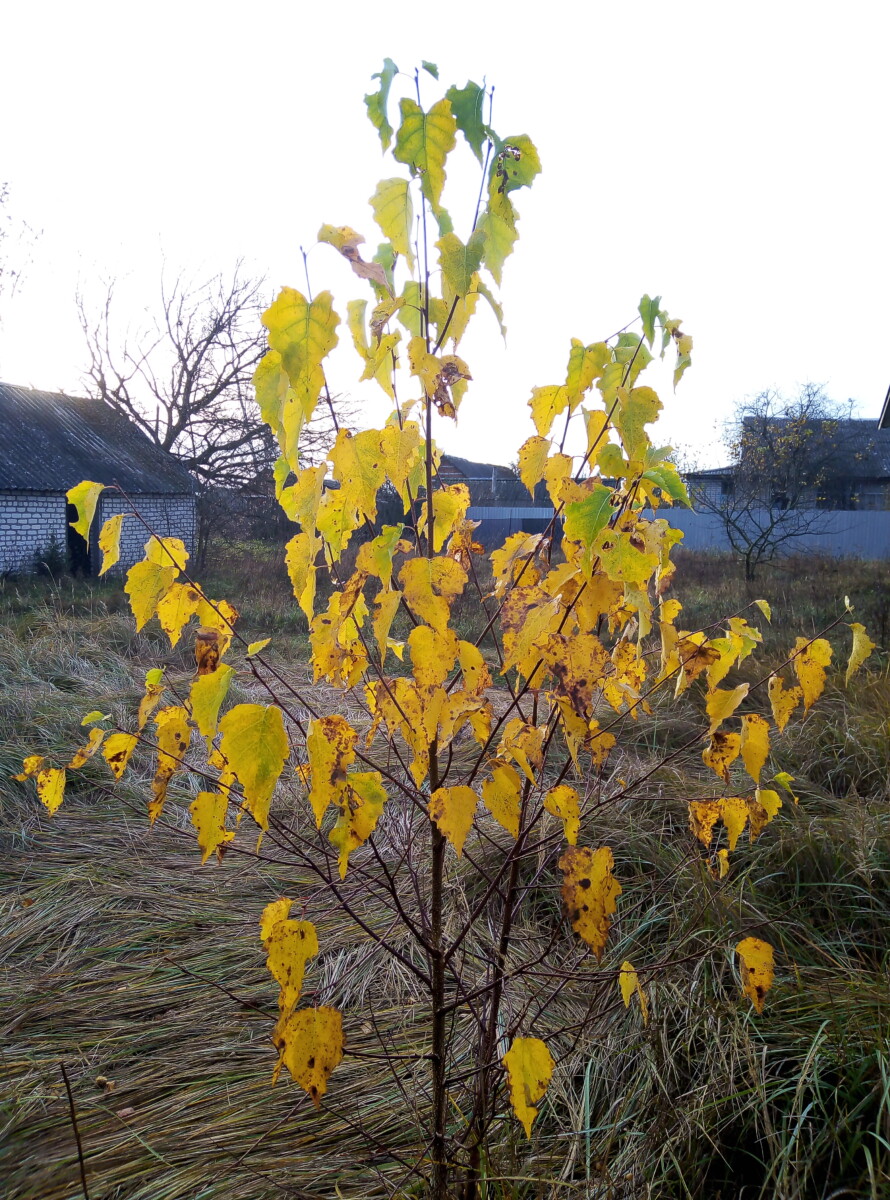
[142, 972]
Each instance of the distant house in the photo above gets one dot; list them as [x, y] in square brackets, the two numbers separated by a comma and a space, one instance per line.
[48, 443]
[499, 499]
[852, 463]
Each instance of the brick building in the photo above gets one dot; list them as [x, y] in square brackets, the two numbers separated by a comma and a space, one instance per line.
[48, 443]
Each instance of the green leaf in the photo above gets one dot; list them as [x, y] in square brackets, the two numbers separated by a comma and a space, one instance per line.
[376, 102]
[466, 104]
[430, 68]
[649, 309]
[499, 223]
[515, 165]
[496, 307]
[585, 518]
[423, 142]
[460, 263]
[394, 213]
[667, 478]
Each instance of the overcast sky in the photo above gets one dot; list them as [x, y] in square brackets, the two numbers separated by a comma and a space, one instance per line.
[730, 157]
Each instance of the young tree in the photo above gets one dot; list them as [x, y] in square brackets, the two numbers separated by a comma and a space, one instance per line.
[434, 808]
[791, 460]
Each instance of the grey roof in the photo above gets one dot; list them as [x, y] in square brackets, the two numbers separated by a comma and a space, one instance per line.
[49, 442]
[489, 483]
[884, 419]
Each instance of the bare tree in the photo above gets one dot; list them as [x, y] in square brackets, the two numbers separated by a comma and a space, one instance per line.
[185, 378]
[16, 241]
[791, 460]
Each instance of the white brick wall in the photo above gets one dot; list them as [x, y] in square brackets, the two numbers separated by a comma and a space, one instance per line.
[166, 516]
[30, 521]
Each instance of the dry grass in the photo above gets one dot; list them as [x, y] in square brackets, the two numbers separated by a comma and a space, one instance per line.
[125, 960]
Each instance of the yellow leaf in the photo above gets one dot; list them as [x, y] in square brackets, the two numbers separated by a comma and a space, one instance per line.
[403, 459]
[300, 554]
[430, 586]
[474, 667]
[546, 404]
[433, 655]
[527, 617]
[722, 703]
[783, 702]
[453, 809]
[275, 911]
[147, 583]
[360, 468]
[256, 647]
[624, 556]
[735, 811]
[221, 616]
[208, 815]
[523, 743]
[330, 746]
[206, 696]
[303, 332]
[173, 736]
[84, 497]
[533, 461]
[862, 648]
[85, 753]
[529, 1067]
[394, 213]
[51, 787]
[361, 803]
[764, 607]
[754, 744]
[513, 563]
[722, 864]
[762, 809]
[300, 501]
[167, 552]
[756, 959]
[590, 892]
[310, 1045]
[502, 796]
[629, 982]
[557, 469]
[636, 409]
[450, 506]
[577, 662]
[288, 945]
[721, 752]
[176, 608]
[110, 542]
[255, 745]
[563, 801]
[30, 766]
[385, 607]
[809, 666]
[703, 816]
[116, 751]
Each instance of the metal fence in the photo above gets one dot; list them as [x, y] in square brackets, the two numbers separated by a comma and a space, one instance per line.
[837, 533]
